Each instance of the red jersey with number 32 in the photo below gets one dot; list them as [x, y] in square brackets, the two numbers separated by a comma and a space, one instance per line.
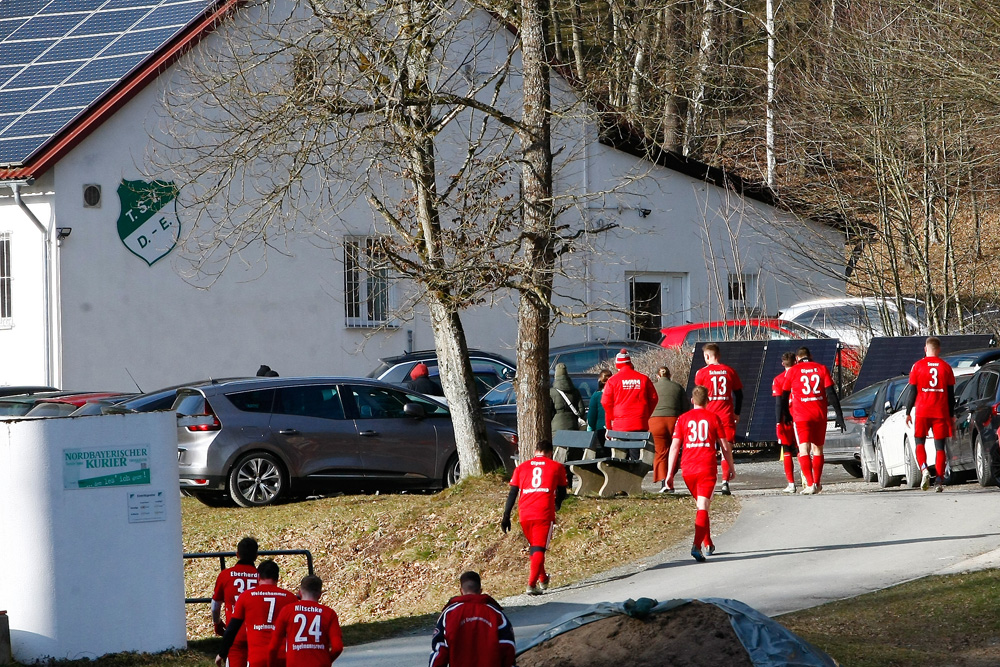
[231, 582]
[310, 634]
[932, 376]
[720, 381]
[698, 430]
[807, 382]
[259, 607]
[538, 478]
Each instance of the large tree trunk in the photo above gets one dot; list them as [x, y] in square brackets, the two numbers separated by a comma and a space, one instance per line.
[538, 233]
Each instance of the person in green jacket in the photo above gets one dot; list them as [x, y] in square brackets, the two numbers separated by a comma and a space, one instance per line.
[595, 414]
[567, 405]
[669, 406]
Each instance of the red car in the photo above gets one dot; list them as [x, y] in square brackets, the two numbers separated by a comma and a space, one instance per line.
[687, 335]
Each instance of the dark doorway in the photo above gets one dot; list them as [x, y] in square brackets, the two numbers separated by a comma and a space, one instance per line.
[644, 300]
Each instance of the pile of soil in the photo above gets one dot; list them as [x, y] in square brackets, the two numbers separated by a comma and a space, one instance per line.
[692, 635]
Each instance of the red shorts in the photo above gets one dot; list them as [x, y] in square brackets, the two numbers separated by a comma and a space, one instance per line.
[728, 430]
[701, 484]
[786, 434]
[812, 432]
[539, 533]
[937, 427]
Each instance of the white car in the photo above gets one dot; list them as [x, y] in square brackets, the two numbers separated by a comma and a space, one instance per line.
[856, 320]
[895, 459]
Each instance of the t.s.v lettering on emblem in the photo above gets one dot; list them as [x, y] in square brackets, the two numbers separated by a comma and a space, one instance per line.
[148, 224]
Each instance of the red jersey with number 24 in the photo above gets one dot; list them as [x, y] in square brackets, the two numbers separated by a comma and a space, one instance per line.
[720, 381]
[310, 634]
[538, 478]
[807, 382]
[932, 376]
[698, 430]
[259, 607]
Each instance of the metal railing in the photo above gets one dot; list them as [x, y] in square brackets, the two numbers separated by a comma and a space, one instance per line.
[223, 555]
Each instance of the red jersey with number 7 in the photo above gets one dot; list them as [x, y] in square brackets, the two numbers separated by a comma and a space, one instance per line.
[807, 381]
[309, 634]
[538, 478]
[932, 376]
[720, 381]
[259, 607]
[698, 430]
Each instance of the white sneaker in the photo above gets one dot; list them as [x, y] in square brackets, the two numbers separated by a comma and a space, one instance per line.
[533, 590]
[925, 479]
[665, 489]
[809, 491]
[790, 488]
[544, 585]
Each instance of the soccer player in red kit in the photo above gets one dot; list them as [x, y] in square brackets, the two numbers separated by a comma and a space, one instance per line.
[933, 396]
[786, 434]
[699, 431]
[228, 585]
[725, 398]
[306, 632]
[257, 608]
[472, 631]
[806, 389]
[539, 487]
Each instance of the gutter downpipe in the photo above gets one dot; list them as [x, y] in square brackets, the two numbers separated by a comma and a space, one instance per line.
[48, 284]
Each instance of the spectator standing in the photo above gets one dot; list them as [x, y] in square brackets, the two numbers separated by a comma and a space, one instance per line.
[230, 583]
[669, 406]
[725, 398]
[595, 413]
[257, 608]
[472, 630]
[628, 397]
[306, 632]
[420, 381]
[567, 405]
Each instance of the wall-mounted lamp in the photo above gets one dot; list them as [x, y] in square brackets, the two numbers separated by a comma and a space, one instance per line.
[643, 212]
[63, 233]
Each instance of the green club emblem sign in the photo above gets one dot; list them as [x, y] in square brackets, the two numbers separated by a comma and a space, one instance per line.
[148, 224]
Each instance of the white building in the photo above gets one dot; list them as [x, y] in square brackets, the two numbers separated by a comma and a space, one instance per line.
[89, 295]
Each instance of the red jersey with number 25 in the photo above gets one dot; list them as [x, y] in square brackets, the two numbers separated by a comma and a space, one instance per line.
[259, 607]
[231, 582]
[698, 430]
[932, 376]
[720, 381]
[807, 382]
[310, 634]
[538, 478]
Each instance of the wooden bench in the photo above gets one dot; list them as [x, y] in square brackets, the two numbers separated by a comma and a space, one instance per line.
[617, 466]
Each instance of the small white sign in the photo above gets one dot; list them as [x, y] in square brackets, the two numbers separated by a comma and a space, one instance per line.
[145, 506]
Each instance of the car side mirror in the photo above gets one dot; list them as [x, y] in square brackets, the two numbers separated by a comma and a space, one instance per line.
[414, 410]
[860, 413]
[888, 408]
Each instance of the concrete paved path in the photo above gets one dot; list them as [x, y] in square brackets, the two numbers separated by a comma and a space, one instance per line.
[782, 554]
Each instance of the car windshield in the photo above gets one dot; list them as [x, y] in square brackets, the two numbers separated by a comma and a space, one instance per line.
[499, 395]
[801, 330]
[862, 398]
[14, 408]
[51, 410]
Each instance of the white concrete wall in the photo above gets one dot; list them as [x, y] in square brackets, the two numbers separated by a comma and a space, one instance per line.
[81, 579]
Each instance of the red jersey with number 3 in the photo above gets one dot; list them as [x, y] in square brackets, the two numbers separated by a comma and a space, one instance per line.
[720, 381]
[932, 376]
[698, 430]
[231, 582]
[538, 478]
[259, 607]
[807, 382]
[310, 634]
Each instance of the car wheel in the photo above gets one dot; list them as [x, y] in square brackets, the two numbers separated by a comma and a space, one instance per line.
[912, 469]
[983, 468]
[885, 480]
[257, 479]
[212, 498]
[868, 468]
[452, 472]
[853, 468]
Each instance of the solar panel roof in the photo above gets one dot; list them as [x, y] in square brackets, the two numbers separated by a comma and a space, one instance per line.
[891, 356]
[59, 57]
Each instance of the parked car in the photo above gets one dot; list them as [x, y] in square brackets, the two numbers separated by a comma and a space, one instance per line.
[895, 445]
[27, 389]
[856, 320]
[18, 406]
[581, 357]
[972, 358]
[259, 440]
[64, 406]
[845, 447]
[977, 417]
[500, 403]
[885, 394]
[154, 401]
[490, 368]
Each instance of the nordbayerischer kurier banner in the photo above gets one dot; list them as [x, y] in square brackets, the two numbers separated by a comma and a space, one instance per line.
[148, 224]
[101, 467]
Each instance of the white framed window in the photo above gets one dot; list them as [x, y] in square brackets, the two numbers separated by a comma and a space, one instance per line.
[6, 312]
[744, 295]
[368, 293]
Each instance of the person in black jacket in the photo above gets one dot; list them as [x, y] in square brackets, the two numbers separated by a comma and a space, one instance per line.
[419, 381]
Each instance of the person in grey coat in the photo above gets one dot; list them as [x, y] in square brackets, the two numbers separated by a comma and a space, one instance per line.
[567, 405]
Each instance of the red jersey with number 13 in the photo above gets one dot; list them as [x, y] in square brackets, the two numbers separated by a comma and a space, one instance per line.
[807, 382]
[259, 607]
[720, 381]
[538, 478]
[310, 634]
[698, 430]
[932, 376]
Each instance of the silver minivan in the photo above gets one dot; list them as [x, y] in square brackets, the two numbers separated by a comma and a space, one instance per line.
[856, 320]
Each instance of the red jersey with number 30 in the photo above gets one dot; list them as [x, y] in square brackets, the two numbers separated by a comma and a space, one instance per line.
[538, 478]
[720, 381]
[932, 376]
[231, 582]
[698, 430]
[259, 607]
[309, 633]
[807, 382]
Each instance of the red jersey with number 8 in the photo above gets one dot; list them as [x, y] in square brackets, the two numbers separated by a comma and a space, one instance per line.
[720, 381]
[932, 376]
[310, 634]
[259, 607]
[538, 478]
[807, 382]
[698, 430]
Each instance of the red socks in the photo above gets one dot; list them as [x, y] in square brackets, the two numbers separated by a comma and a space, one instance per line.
[939, 462]
[817, 462]
[789, 469]
[537, 568]
[807, 470]
[918, 452]
[700, 528]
